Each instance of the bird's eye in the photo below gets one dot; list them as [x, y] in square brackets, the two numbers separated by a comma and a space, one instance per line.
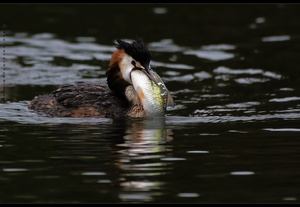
[133, 63]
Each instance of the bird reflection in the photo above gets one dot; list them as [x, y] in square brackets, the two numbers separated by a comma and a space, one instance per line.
[146, 142]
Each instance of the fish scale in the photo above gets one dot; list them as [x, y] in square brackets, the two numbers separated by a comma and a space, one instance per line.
[155, 99]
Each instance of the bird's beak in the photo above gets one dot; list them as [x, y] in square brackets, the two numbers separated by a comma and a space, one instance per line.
[148, 72]
[154, 77]
[150, 75]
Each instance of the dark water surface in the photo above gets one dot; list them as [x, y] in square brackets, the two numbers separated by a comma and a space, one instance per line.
[233, 136]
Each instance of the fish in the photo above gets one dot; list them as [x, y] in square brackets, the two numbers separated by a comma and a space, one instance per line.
[153, 93]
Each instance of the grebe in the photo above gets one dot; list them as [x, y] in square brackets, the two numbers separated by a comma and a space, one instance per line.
[133, 89]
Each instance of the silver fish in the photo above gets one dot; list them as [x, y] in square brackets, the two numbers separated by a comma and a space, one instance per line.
[154, 95]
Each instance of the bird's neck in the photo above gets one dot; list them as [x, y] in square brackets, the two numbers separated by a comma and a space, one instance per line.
[123, 89]
[115, 80]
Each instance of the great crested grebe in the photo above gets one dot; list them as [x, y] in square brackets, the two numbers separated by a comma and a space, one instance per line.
[133, 89]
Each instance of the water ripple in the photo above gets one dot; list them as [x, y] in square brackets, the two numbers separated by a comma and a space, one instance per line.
[276, 38]
[250, 71]
[18, 112]
[210, 55]
[286, 99]
[282, 129]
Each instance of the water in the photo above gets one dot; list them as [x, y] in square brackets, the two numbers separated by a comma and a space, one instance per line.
[232, 137]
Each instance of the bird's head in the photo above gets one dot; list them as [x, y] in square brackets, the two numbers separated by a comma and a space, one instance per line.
[130, 75]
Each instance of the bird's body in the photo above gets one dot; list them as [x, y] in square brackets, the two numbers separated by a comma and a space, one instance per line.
[83, 100]
[133, 89]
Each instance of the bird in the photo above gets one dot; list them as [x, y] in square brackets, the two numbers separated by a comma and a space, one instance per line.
[133, 89]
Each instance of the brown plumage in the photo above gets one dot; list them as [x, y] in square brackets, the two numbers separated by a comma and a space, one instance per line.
[83, 100]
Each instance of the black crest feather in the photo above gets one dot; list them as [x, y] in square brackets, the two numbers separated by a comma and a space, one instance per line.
[136, 49]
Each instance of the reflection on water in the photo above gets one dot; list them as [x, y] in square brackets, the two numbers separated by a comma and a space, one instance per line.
[94, 155]
[238, 112]
[139, 156]
[39, 57]
[140, 159]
